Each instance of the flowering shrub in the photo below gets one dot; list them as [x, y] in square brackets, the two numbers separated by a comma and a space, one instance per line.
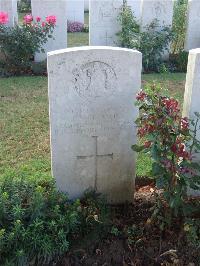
[152, 42]
[51, 20]
[3, 18]
[28, 19]
[75, 26]
[171, 141]
[18, 44]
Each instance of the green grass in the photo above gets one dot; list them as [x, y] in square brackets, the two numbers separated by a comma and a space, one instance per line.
[86, 19]
[24, 122]
[79, 38]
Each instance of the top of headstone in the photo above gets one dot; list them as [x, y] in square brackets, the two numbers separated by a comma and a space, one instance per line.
[89, 48]
[195, 51]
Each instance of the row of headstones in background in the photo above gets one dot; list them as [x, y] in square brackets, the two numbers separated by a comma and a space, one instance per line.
[193, 25]
[75, 10]
[10, 7]
[91, 96]
[104, 14]
[103, 18]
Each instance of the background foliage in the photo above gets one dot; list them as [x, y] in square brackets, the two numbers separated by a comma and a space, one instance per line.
[179, 26]
[24, 6]
[152, 42]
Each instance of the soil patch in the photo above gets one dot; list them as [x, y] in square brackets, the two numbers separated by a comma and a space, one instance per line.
[133, 240]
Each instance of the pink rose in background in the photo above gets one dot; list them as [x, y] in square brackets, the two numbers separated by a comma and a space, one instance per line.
[28, 19]
[38, 19]
[3, 18]
[43, 24]
[51, 20]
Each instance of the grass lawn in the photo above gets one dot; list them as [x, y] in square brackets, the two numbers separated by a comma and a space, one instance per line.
[24, 123]
[79, 38]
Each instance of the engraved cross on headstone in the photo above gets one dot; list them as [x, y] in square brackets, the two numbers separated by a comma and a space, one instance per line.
[95, 156]
[107, 38]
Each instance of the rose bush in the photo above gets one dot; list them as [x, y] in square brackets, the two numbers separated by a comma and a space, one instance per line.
[19, 43]
[3, 18]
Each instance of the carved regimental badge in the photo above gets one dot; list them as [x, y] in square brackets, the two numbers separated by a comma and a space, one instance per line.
[95, 79]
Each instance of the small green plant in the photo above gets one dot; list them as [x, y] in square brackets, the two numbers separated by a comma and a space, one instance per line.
[95, 213]
[180, 61]
[86, 28]
[134, 234]
[36, 221]
[171, 142]
[192, 230]
[38, 224]
[153, 41]
[115, 231]
[163, 68]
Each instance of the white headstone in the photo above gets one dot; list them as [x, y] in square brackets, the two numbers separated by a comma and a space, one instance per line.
[136, 8]
[162, 10]
[193, 25]
[86, 5]
[192, 93]
[10, 7]
[103, 22]
[44, 8]
[75, 10]
[91, 94]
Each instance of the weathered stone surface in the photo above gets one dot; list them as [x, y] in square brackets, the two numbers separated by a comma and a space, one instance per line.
[192, 93]
[103, 22]
[10, 6]
[193, 25]
[161, 10]
[44, 8]
[86, 5]
[136, 8]
[75, 10]
[91, 94]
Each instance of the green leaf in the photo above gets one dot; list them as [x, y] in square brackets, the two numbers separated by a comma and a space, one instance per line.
[137, 148]
[156, 169]
[160, 183]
